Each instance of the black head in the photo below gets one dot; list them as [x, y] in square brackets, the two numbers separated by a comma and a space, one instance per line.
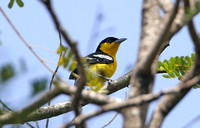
[107, 40]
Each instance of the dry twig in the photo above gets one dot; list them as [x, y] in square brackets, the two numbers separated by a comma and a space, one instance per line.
[81, 82]
[52, 78]
[24, 41]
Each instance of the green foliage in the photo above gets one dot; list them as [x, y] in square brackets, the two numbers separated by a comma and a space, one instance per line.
[68, 61]
[11, 3]
[7, 71]
[19, 3]
[176, 67]
[39, 85]
[190, 13]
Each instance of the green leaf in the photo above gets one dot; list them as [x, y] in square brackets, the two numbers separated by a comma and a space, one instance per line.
[166, 66]
[172, 60]
[177, 74]
[177, 60]
[39, 85]
[171, 65]
[189, 60]
[20, 3]
[166, 76]
[182, 72]
[171, 73]
[66, 61]
[160, 64]
[182, 61]
[10, 5]
[162, 68]
[72, 66]
[166, 61]
[196, 86]
[193, 57]
[70, 54]
[7, 72]
[177, 67]
[62, 49]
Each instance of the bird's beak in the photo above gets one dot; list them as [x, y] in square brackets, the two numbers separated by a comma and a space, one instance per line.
[120, 40]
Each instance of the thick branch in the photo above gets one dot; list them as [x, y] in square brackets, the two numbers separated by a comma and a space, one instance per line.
[82, 80]
[140, 100]
[19, 116]
[155, 30]
[166, 5]
[168, 102]
[23, 115]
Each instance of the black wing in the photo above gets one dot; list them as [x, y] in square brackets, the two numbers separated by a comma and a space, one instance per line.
[94, 58]
[99, 58]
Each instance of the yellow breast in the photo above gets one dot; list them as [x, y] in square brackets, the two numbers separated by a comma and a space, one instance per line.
[106, 70]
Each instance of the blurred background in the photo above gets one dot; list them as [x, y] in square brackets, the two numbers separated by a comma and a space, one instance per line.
[87, 22]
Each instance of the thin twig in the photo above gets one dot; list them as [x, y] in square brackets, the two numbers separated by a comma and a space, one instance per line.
[43, 48]
[5, 106]
[24, 41]
[81, 82]
[111, 120]
[27, 44]
[52, 78]
[37, 125]
[49, 61]
[115, 115]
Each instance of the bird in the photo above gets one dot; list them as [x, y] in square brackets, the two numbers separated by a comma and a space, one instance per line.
[103, 61]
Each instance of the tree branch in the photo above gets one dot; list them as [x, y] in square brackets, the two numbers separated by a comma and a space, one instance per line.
[155, 30]
[5, 106]
[168, 102]
[19, 116]
[52, 78]
[166, 5]
[140, 100]
[82, 80]
[23, 115]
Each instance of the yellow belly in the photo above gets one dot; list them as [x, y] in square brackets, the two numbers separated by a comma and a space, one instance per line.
[106, 70]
